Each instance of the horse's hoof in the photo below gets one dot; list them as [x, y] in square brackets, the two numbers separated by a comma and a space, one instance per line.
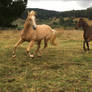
[32, 56]
[14, 56]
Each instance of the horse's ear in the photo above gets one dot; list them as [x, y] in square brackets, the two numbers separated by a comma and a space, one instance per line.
[81, 19]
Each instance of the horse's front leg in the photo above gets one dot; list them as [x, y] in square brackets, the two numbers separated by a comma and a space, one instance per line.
[15, 47]
[29, 47]
[84, 45]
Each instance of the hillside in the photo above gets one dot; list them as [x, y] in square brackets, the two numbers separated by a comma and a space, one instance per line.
[47, 14]
[41, 13]
[55, 19]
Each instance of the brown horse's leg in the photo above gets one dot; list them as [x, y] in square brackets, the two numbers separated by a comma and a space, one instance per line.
[38, 48]
[87, 45]
[84, 46]
[29, 47]
[16, 45]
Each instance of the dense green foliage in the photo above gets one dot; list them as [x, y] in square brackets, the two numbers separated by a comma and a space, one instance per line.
[69, 22]
[41, 13]
[89, 10]
[11, 10]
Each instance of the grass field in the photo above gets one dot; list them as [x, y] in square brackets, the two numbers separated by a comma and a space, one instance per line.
[64, 68]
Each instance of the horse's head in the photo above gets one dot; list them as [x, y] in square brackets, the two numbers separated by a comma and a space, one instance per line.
[31, 18]
[80, 23]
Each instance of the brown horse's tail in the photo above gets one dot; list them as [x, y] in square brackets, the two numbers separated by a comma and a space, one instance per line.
[53, 38]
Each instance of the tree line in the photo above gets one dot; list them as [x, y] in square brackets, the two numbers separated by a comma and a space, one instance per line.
[47, 14]
[10, 10]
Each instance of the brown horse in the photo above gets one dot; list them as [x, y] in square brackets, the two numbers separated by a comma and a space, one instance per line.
[35, 33]
[87, 32]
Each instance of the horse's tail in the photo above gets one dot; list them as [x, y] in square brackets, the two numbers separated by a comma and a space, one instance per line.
[53, 38]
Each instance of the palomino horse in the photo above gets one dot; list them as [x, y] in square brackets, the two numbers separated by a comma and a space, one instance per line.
[87, 32]
[35, 33]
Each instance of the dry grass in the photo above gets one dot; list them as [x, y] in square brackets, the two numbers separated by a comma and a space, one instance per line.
[64, 68]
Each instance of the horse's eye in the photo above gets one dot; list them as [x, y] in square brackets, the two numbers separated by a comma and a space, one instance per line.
[30, 18]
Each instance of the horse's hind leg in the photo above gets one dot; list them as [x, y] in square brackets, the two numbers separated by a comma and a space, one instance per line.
[29, 47]
[84, 45]
[15, 47]
[38, 48]
[87, 45]
[45, 44]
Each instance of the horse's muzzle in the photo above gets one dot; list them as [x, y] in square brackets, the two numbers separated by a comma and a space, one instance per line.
[76, 28]
[34, 27]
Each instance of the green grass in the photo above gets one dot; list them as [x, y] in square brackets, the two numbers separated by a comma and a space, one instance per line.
[64, 68]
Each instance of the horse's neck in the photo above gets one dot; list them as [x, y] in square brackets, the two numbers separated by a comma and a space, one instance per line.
[26, 25]
[85, 26]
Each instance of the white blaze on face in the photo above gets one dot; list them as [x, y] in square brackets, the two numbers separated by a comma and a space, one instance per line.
[34, 22]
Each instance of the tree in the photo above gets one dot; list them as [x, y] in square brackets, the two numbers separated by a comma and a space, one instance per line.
[11, 10]
[89, 10]
[61, 21]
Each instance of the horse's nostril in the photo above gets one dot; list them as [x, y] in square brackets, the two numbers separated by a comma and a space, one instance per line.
[34, 27]
[76, 28]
